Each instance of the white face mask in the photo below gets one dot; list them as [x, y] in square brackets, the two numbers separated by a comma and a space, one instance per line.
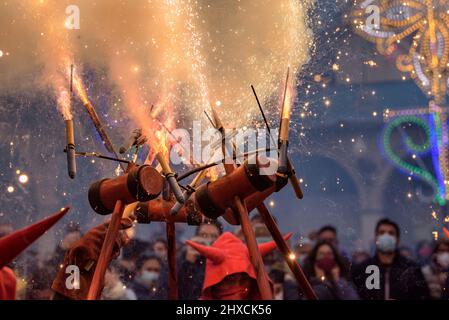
[386, 243]
[443, 259]
[148, 278]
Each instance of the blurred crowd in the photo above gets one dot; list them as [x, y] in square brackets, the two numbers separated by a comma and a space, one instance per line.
[391, 271]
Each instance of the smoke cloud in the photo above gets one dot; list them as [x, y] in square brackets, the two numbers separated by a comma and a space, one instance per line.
[166, 59]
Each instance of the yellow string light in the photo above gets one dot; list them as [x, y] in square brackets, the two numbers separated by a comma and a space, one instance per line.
[427, 23]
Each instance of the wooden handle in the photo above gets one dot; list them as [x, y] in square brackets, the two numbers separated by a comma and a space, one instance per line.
[106, 252]
[70, 138]
[164, 164]
[286, 252]
[173, 275]
[253, 249]
[294, 181]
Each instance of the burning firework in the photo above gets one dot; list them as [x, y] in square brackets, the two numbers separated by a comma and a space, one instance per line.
[285, 123]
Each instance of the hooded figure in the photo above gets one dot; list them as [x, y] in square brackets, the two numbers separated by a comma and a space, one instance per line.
[13, 244]
[230, 274]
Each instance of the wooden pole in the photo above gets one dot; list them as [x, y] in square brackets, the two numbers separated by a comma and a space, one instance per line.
[171, 255]
[253, 249]
[243, 216]
[106, 251]
[108, 245]
[286, 252]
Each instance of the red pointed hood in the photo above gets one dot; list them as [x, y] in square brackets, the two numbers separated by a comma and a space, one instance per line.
[13, 244]
[228, 255]
[8, 284]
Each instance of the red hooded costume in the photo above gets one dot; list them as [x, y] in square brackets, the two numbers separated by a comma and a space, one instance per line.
[13, 244]
[227, 256]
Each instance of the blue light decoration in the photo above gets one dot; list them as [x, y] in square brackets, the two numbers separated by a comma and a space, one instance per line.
[433, 121]
[424, 24]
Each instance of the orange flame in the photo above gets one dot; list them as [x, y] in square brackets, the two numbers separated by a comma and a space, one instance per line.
[213, 173]
[160, 143]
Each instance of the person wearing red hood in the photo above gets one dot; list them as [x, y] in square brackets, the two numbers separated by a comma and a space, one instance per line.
[13, 244]
[229, 273]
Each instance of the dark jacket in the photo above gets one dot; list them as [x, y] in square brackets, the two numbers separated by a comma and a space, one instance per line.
[190, 279]
[291, 290]
[339, 290]
[144, 293]
[406, 280]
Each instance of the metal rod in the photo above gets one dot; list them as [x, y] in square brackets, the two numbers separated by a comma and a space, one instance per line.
[187, 193]
[293, 179]
[170, 177]
[209, 118]
[97, 155]
[195, 170]
[209, 165]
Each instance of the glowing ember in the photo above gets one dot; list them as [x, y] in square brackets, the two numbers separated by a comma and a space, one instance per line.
[23, 178]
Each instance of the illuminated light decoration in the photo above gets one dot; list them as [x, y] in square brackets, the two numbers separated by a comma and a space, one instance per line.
[389, 114]
[436, 182]
[438, 137]
[435, 235]
[439, 153]
[426, 22]
[434, 215]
